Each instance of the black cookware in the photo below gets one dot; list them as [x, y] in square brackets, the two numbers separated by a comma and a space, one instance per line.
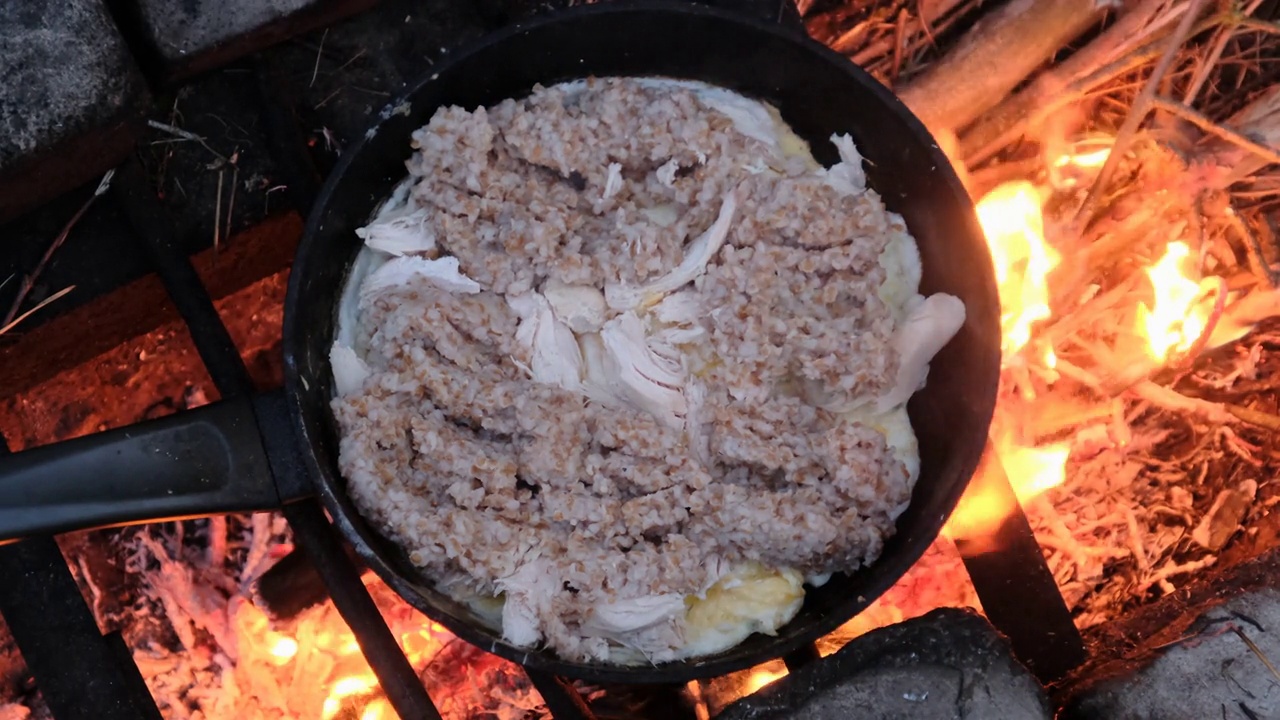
[212, 459]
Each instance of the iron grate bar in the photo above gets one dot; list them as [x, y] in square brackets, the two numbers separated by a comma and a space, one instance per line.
[314, 533]
[801, 656]
[399, 681]
[182, 283]
[1014, 583]
[563, 701]
[78, 671]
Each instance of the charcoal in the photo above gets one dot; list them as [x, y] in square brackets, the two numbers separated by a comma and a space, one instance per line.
[947, 664]
[70, 103]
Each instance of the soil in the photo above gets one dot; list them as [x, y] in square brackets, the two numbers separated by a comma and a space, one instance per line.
[1129, 642]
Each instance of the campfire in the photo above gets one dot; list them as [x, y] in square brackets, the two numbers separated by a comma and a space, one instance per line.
[1127, 191]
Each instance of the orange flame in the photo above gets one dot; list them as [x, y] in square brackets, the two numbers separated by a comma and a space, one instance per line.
[344, 688]
[284, 648]
[378, 710]
[1079, 165]
[1093, 159]
[761, 677]
[1011, 219]
[1176, 320]
[1031, 471]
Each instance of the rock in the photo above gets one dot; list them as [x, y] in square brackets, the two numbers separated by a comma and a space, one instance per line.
[947, 664]
[70, 100]
[1211, 673]
[191, 36]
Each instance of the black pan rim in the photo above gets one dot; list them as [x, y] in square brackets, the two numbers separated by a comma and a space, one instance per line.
[327, 481]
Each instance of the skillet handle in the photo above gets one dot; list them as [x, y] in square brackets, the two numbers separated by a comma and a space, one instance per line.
[206, 461]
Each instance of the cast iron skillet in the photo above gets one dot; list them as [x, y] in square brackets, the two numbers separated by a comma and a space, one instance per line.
[212, 460]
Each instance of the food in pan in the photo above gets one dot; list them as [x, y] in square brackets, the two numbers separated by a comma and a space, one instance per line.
[624, 368]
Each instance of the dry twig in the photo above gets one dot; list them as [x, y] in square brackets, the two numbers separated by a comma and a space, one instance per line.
[1253, 249]
[1256, 650]
[1121, 48]
[1222, 37]
[30, 280]
[1169, 399]
[217, 213]
[1271, 155]
[320, 51]
[185, 135]
[39, 306]
[1138, 113]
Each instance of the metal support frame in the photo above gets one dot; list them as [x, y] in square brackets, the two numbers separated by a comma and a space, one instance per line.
[82, 674]
[1018, 592]
[394, 672]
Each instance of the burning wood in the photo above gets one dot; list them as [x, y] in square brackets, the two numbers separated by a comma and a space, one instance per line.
[236, 662]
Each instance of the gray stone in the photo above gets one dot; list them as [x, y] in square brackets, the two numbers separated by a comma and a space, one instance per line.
[185, 27]
[69, 96]
[1211, 673]
[949, 664]
[191, 36]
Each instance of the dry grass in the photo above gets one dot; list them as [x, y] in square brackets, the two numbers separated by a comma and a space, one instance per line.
[1151, 451]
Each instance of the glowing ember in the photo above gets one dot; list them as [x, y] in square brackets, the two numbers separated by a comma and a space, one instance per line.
[285, 648]
[352, 686]
[378, 710]
[761, 677]
[346, 687]
[1094, 159]
[1011, 219]
[1175, 321]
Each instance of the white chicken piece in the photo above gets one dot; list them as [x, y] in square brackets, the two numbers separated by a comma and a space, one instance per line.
[664, 215]
[847, 176]
[528, 591]
[750, 117]
[931, 323]
[696, 256]
[902, 271]
[647, 380]
[581, 307]
[406, 234]
[613, 181]
[616, 619]
[667, 173]
[599, 383]
[675, 322]
[697, 436]
[442, 273]
[555, 358]
[349, 370]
